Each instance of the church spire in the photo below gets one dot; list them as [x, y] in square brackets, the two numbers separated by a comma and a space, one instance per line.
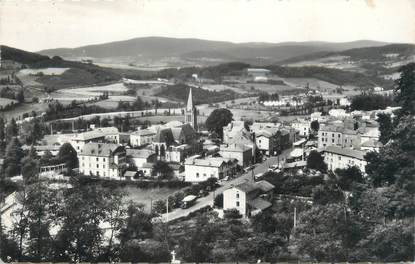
[190, 111]
[190, 101]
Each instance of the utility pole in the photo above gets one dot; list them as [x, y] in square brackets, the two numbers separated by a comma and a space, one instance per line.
[295, 217]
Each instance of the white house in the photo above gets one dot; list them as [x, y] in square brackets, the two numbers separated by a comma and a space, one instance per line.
[197, 169]
[102, 160]
[342, 158]
[249, 198]
[302, 127]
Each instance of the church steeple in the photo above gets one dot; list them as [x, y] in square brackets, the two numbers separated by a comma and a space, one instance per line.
[190, 114]
[190, 101]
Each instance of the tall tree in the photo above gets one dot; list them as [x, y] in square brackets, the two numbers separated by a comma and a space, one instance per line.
[12, 160]
[405, 89]
[385, 127]
[316, 161]
[68, 155]
[218, 119]
[11, 130]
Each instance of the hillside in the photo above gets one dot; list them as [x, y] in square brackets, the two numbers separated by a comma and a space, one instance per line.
[382, 61]
[162, 50]
[180, 92]
[335, 76]
[78, 73]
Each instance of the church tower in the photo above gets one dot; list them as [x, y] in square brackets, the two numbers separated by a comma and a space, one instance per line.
[190, 114]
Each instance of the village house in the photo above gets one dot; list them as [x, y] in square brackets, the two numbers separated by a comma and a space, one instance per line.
[142, 137]
[242, 153]
[249, 198]
[100, 135]
[102, 160]
[302, 127]
[342, 158]
[138, 157]
[332, 135]
[201, 169]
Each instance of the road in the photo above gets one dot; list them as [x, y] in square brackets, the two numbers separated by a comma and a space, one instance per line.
[208, 200]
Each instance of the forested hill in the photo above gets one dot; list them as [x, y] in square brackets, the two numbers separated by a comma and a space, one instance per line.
[363, 53]
[180, 92]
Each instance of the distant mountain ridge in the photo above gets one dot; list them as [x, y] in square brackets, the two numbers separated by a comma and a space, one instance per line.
[190, 48]
[364, 53]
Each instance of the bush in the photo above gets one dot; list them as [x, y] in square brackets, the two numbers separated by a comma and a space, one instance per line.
[231, 214]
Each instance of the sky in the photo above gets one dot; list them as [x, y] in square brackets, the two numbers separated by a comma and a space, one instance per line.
[34, 25]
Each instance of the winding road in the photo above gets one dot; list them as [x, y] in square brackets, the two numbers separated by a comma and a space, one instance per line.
[208, 200]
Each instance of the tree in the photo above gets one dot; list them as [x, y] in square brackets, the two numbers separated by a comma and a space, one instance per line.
[137, 224]
[405, 90]
[316, 161]
[347, 177]
[327, 233]
[162, 170]
[20, 96]
[387, 243]
[30, 169]
[14, 154]
[218, 119]
[41, 208]
[327, 193]
[11, 130]
[68, 155]
[218, 202]
[315, 125]
[83, 210]
[385, 127]
[159, 207]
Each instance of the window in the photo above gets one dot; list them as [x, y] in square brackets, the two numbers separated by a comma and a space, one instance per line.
[260, 141]
[340, 158]
[339, 135]
[197, 175]
[237, 204]
[97, 159]
[103, 159]
[332, 140]
[204, 174]
[237, 195]
[97, 166]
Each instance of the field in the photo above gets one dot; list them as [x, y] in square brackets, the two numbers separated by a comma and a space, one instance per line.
[146, 196]
[45, 71]
[116, 93]
[5, 102]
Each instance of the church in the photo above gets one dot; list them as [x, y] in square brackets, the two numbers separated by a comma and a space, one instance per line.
[175, 140]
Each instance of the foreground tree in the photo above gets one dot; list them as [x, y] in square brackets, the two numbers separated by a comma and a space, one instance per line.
[316, 161]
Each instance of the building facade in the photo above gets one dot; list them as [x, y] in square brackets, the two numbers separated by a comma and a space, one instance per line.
[198, 170]
[342, 158]
[102, 160]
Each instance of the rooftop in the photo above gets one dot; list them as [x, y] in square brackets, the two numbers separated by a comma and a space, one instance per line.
[357, 154]
[99, 149]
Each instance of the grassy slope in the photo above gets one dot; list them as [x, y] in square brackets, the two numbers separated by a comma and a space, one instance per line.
[79, 74]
